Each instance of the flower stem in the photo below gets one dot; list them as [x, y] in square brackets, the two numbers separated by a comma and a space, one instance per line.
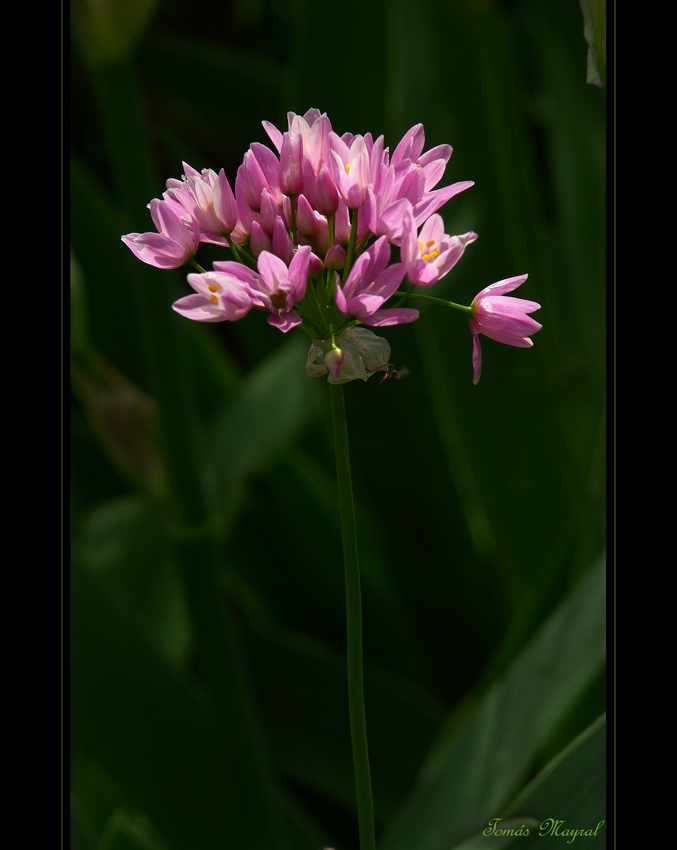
[351, 248]
[358, 727]
[239, 251]
[410, 294]
[196, 265]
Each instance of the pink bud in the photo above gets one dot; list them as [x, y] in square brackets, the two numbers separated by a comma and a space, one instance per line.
[334, 360]
[306, 223]
[316, 267]
[270, 211]
[283, 247]
[291, 164]
[253, 181]
[259, 239]
[326, 195]
[224, 202]
[336, 257]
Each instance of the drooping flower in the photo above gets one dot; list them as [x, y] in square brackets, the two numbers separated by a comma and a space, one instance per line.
[502, 318]
[172, 246]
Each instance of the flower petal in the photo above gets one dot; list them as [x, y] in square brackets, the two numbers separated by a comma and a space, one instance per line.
[198, 308]
[391, 316]
[476, 356]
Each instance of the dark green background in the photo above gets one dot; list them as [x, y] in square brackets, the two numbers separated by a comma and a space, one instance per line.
[209, 707]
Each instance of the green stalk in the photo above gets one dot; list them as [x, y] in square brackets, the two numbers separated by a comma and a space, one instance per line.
[358, 726]
[410, 294]
[351, 248]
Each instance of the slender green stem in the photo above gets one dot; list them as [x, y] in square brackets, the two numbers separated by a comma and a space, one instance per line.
[294, 235]
[358, 726]
[330, 227]
[410, 294]
[239, 251]
[405, 295]
[196, 265]
[351, 248]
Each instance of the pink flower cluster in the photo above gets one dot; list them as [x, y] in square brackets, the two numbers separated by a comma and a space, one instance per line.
[311, 226]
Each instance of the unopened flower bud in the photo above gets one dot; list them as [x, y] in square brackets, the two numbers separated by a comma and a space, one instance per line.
[291, 164]
[259, 239]
[316, 267]
[253, 181]
[326, 195]
[336, 257]
[283, 247]
[334, 360]
[306, 223]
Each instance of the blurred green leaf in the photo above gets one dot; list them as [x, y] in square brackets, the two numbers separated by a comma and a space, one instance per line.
[125, 542]
[309, 729]
[594, 30]
[124, 419]
[568, 795]
[571, 789]
[109, 29]
[275, 402]
[125, 833]
[133, 713]
[470, 776]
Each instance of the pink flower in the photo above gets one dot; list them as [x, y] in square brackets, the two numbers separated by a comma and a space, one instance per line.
[408, 178]
[206, 198]
[370, 284]
[291, 164]
[222, 295]
[312, 132]
[350, 167]
[501, 318]
[278, 287]
[431, 254]
[260, 170]
[172, 246]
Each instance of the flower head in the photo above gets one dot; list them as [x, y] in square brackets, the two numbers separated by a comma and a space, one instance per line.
[319, 204]
[502, 318]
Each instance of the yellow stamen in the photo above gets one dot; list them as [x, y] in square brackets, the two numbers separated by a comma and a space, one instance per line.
[420, 245]
[428, 244]
[213, 287]
[213, 299]
[348, 168]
